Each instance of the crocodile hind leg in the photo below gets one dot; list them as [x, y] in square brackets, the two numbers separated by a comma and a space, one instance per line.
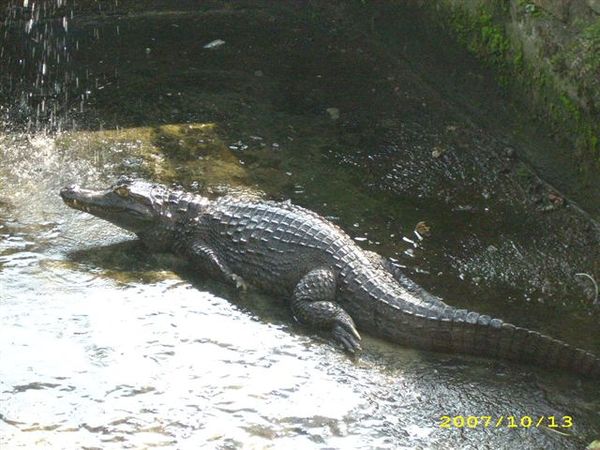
[313, 304]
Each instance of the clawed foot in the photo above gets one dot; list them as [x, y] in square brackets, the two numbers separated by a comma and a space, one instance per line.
[345, 333]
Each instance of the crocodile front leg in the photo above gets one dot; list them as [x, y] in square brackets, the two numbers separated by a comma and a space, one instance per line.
[313, 304]
[208, 259]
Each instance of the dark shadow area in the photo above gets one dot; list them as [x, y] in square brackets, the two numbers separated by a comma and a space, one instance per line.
[131, 262]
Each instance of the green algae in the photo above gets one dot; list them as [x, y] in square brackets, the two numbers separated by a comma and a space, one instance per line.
[167, 153]
[483, 31]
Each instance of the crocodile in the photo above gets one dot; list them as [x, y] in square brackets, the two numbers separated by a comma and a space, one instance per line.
[332, 284]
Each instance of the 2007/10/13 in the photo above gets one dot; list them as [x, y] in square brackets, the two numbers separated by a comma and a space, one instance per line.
[505, 421]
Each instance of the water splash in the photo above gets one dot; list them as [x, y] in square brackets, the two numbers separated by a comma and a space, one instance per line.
[37, 83]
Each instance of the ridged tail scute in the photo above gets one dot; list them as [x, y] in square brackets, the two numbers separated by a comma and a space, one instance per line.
[478, 334]
[461, 331]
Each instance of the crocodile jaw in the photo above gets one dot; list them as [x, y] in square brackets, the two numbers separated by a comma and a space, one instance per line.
[125, 213]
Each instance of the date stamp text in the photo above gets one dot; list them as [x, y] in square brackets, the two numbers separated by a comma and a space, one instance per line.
[507, 421]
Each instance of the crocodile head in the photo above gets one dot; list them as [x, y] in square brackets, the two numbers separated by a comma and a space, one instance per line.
[135, 205]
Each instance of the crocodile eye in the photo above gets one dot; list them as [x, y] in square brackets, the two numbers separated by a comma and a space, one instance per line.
[122, 191]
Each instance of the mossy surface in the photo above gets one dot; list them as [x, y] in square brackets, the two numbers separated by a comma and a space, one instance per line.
[170, 153]
[564, 89]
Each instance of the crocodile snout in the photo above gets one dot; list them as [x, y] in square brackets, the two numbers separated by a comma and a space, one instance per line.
[72, 196]
[68, 192]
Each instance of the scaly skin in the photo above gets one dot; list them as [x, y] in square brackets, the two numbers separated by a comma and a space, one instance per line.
[331, 282]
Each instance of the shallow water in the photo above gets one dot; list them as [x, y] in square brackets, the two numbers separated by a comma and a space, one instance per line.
[105, 346]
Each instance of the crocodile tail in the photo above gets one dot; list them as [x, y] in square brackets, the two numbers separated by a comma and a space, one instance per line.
[460, 331]
[478, 334]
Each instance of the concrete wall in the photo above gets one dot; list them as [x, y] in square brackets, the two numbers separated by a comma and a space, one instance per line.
[546, 52]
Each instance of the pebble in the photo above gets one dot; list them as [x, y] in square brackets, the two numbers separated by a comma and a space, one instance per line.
[214, 44]
[334, 113]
